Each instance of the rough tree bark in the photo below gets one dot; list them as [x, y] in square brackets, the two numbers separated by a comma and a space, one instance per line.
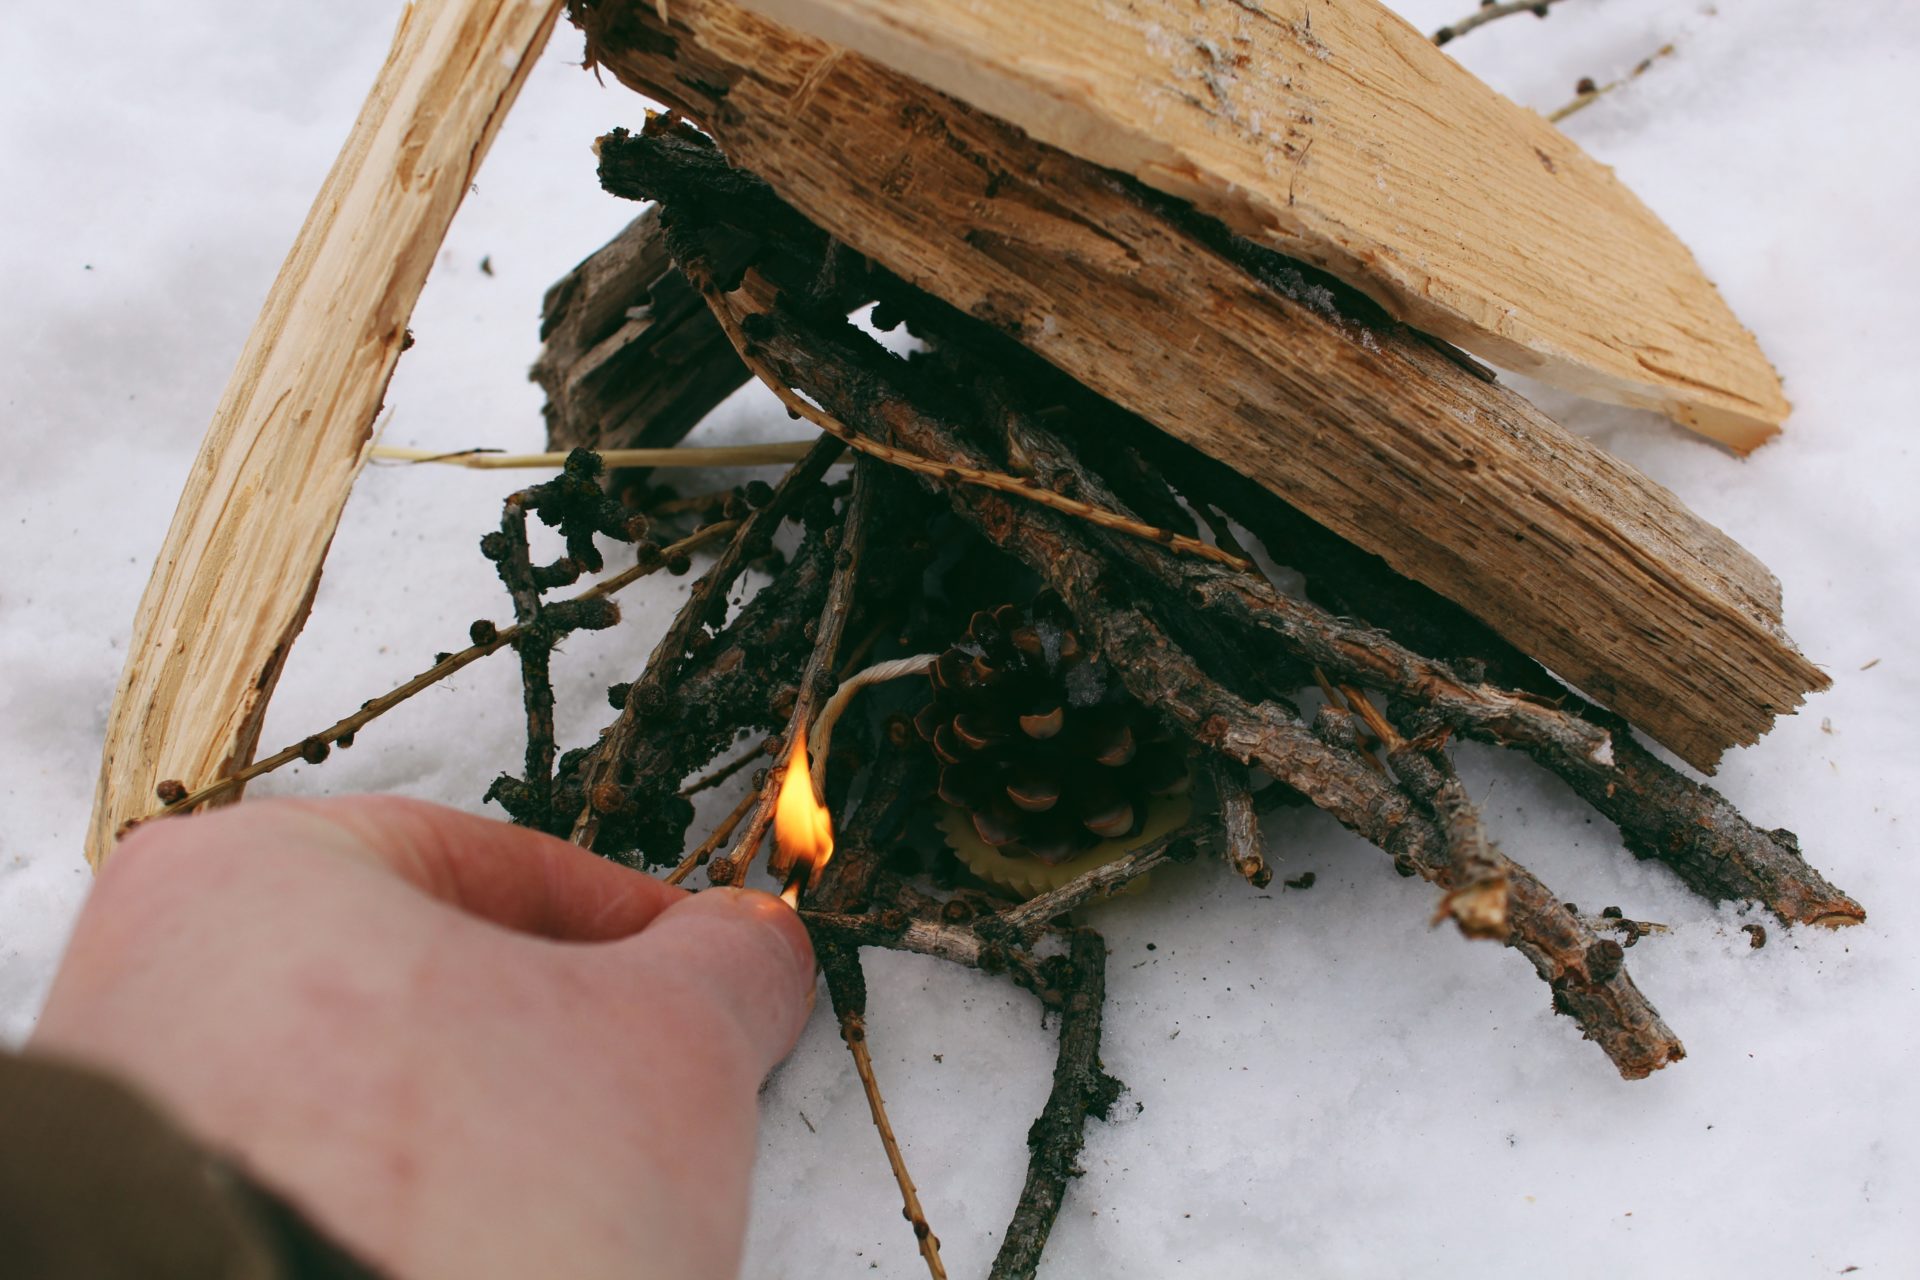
[630, 356]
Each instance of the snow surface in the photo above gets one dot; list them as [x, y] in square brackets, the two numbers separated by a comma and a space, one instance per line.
[1318, 1083]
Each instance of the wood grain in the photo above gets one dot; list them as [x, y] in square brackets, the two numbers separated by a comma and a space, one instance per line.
[1334, 132]
[1368, 427]
[630, 356]
[236, 575]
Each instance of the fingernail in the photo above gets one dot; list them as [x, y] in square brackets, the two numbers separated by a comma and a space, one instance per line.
[781, 942]
[766, 910]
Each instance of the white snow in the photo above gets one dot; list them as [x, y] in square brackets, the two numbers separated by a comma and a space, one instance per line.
[1318, 1084]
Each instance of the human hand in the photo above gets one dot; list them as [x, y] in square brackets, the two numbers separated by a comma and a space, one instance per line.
[462, 1047]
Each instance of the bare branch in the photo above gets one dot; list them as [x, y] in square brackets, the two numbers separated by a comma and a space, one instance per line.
[1586, 93]
[707, 595]
[847, 988]
[1239, 822]
[1489, 11]
[1080, 1089]
[341, 732]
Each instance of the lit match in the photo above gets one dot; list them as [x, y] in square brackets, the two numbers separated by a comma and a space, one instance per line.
[802, 827]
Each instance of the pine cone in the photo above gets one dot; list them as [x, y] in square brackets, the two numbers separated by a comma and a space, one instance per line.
[1038, 743]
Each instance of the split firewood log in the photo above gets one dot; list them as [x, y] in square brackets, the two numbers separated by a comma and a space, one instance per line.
[1336, 133]
[1383, 435]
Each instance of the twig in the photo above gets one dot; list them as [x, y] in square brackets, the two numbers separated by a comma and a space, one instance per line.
[898, 930]
[1586, 973]
[535, 648]
[1080, 1089]
[1587, 92]
[1488, 12]
[574, 503]
[847, 988]
[951, 473]
[1030, 919]
[695, 502]
[1244, 597]
[602, 772]
[1239, 822]
[480, 459]
[1480, 900]
[725, 771]
[718, 837]
[341, 731]
[831, 626]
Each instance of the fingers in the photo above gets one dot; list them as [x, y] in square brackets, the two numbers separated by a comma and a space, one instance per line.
[745, 953]
[523, 880]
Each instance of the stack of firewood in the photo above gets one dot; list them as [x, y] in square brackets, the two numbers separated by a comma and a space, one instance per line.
[1186, 489]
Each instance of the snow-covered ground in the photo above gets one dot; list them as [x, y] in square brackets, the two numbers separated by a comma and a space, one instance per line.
[1318, 1084]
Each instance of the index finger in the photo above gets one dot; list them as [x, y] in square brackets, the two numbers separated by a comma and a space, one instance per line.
[520, 879]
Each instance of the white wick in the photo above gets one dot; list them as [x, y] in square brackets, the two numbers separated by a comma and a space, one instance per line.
[878, 673]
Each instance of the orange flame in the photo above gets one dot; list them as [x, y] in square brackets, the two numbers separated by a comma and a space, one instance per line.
[802, 827]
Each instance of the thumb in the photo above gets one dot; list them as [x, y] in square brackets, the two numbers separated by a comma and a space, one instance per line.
[744, 951]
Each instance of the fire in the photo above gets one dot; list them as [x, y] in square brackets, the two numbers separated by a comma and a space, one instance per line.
[802, 827]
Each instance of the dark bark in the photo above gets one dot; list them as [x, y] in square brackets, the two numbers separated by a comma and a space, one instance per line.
[1080, 1089]
[601, 771]
[1240, 838]
[630, 356]
[847, 540]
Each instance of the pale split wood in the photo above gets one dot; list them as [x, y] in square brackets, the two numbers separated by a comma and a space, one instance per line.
[1336, 133]
[236, 575]
[628, 353]
[1391, 443]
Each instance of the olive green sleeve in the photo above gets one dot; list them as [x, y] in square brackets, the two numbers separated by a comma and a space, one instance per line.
[97, 1182]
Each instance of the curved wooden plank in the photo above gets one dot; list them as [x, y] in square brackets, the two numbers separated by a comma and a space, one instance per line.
[1332, 131]
[236, 575]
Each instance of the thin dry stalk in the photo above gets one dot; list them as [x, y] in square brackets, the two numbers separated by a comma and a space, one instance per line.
[853, 1029]
[784, 453]
[847, 988]
[720, 835]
